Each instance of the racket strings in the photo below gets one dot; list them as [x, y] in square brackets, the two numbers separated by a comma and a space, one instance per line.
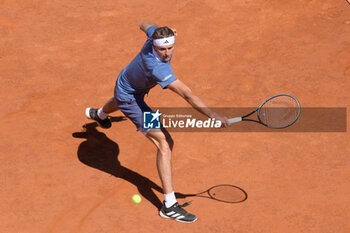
[279, 112]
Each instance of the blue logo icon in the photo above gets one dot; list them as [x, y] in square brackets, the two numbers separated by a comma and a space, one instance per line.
[151, 120]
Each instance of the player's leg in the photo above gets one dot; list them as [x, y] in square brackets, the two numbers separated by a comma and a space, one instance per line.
[101, 115]
[171, 208]
[110, 106]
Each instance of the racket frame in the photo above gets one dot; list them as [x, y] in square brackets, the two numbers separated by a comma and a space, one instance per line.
[238, 119]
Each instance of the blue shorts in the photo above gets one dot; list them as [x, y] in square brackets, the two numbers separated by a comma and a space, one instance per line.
[133, 109]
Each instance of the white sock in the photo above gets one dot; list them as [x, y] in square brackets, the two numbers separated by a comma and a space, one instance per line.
[170, 199]
[101, 114]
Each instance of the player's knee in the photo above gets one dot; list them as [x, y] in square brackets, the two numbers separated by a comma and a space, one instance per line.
[166, 145]
[164, 142]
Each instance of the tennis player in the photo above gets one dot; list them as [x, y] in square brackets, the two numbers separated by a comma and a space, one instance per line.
[149, 68]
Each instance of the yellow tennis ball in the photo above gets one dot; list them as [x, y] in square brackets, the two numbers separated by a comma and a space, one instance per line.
[136, 199]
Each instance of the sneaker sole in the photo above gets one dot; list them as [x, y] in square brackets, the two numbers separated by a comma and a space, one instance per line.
[179, 220]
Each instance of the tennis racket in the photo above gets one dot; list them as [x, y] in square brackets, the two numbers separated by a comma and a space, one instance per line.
[223, 192]
[277, 112]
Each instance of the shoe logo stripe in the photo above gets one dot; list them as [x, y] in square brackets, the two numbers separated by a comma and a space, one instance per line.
[170, 213]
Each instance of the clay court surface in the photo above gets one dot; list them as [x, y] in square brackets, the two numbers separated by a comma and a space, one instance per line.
[59, 57]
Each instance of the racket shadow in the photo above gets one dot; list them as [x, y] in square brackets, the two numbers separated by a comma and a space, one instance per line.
[223, 193]
[100, 152]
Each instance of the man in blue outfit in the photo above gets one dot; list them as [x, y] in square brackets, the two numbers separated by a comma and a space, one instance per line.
[149, 68]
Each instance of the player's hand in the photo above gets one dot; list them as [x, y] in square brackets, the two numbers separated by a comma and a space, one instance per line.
[174, 31]
[224, 120]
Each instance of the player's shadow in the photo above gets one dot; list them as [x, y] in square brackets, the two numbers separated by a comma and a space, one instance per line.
[100, 152]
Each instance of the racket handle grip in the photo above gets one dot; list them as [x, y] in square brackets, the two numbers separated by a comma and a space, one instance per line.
[234, 120]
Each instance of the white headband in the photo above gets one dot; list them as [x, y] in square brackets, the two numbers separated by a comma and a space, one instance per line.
[164, 41]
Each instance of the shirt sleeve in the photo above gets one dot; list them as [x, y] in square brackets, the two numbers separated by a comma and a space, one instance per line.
[150, 30]
[164, 75]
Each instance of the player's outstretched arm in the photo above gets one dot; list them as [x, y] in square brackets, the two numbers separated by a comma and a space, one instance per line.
[145, 25]
[185, 92]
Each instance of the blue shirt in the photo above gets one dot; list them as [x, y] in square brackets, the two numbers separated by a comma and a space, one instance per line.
[143, 73]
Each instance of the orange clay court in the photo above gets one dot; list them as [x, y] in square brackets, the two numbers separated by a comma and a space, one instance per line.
[59, 57]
